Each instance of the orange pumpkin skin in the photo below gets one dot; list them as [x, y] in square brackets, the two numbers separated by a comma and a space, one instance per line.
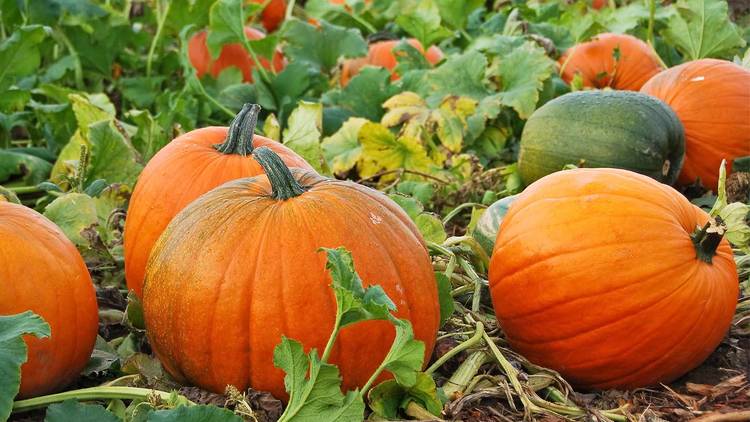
[381, 55]
[598, 4]
[712, 99]
[595, 61]
[185, 169]
[231, 55]
[594, 274]
[273, 14]
[43, 272]
[250, 265]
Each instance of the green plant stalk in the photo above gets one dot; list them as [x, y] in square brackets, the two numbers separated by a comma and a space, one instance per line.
[161, 18]
[77, 68]
[650, 30]
[213, 100]
[334, 334]
[88, 394]
[455, 211]
[471, 342]
[465, 373]
[21, 190]
[477, 297]
[289, 9]
[512, 373]
[418, 412]
[472, 243]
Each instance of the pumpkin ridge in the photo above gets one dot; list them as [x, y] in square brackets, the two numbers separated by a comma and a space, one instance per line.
[550, 306]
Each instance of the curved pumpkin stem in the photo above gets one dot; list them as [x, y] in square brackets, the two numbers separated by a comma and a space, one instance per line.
[708, 238]
[283, 184]
[241, 130]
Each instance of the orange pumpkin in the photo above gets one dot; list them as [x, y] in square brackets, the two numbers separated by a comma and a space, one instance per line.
[599, 4]
[273, 14]
[188, 167]
[595, 274]
[245, 258]
[231, 55]
[712, 99]
[597, 62]
[43, 272]
[381, 54]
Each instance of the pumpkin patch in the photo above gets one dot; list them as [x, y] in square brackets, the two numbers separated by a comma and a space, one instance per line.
[374, 210]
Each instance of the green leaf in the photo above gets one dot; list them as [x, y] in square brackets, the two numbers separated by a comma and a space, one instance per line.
[303, 134]
[150, 137]
[142, 90]
[421, 19]
[13, 353]
[388, 397]
[412, 206]
[73, 213]
[460, 74]
[199, 413]
[314, 387]
[447, 305]
[227, 25]
[323, 46]
[19, 54]
[384, 150]
[342, 149]
[702, 28]
[522, 74]
[431, 228]
[72, 411]
[355, 302]
[365, 93]
[112, 158]
[455, 13]
[404, 359]
[422, 191]
[19, 169]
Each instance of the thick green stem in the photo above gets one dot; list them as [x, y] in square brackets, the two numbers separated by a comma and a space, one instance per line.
[332, 339]
[465, 373]
[283, 184]
[707, 239]
[86, 394]
[471, 342]
[241, 130]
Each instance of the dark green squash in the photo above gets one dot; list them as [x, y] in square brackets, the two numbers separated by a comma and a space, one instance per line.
[618, 129]
[489, 223]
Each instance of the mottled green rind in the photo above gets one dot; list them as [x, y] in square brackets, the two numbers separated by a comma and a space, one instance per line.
[489, 223]
[617, 129]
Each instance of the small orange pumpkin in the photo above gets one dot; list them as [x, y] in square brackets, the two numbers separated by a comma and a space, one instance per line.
[273, 14]
[231, 55]
[245, 258]
[381, 55]
[188, 167]
[43, 272]
[602, 275]
[618, 61]
[712, 99]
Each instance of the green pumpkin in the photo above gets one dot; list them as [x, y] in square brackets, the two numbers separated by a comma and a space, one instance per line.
[488, 225]
[616, 129]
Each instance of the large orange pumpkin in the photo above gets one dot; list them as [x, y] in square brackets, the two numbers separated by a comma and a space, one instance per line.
[231, 55]
[43, 272]
[617, 61]
[241, 266]
[381, 54]
[712, 99]
[188, 167]
[595, 274]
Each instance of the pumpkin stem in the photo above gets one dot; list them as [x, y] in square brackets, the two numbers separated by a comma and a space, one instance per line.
[283, 184]
[240, 137]
[708, 238]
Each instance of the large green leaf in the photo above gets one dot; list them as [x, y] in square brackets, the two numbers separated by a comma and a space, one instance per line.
[20, 169]
[365, 93]
[73, 213]
[19, 54]
[384, 151]
[321, 46]
[342, 149]
[72, 411]
[421, 19]
[227, 25]
[13, 353]
[702, 28]
[304, 132]
[522, 74]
